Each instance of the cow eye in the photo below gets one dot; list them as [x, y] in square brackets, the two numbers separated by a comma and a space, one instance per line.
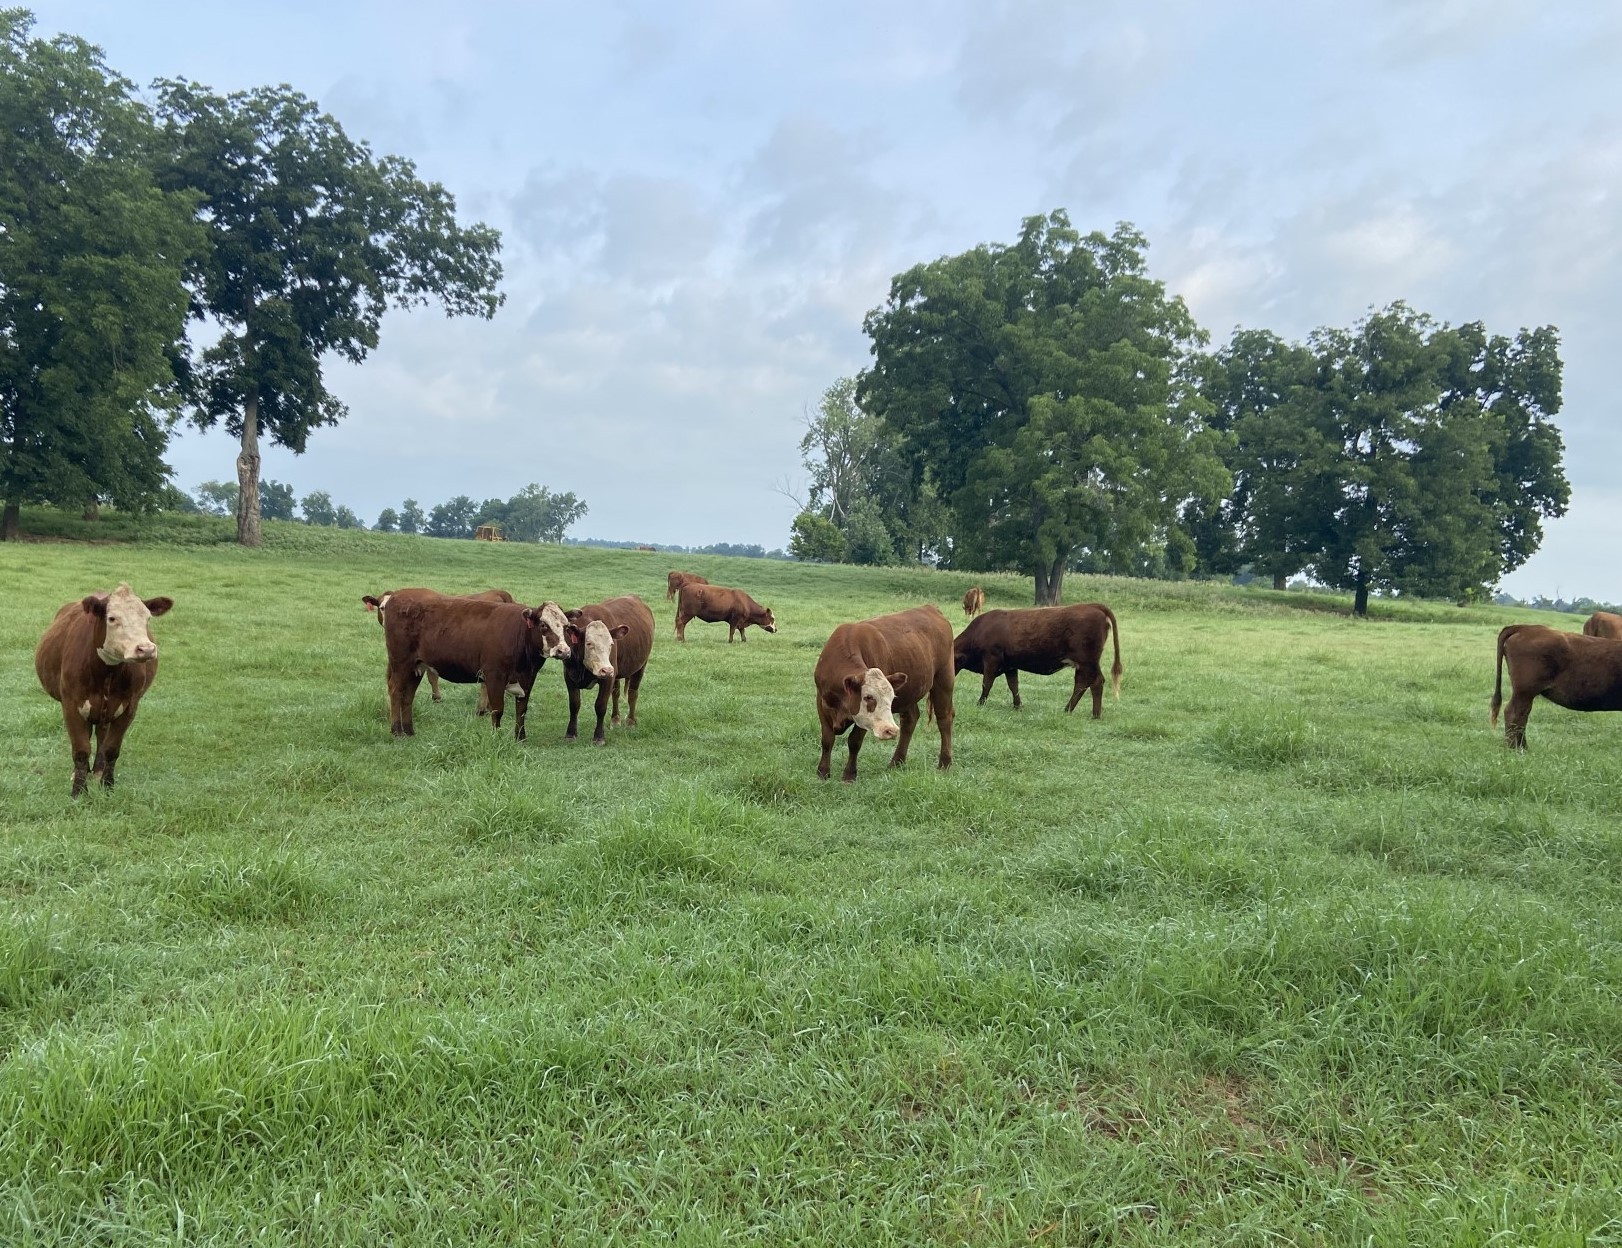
[872, 704]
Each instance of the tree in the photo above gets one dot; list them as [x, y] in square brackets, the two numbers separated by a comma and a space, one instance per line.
[535, 514]
[217, 498]
[411, 517]
[816, 539]
[275, 501]
[91, 257]
[344, 518]
[312, 238]
[453, 519]
[388, 521]
[1043, 388]
[318, 509]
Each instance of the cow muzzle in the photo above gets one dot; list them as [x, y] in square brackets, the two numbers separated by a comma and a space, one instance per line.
[886, 732]
[605, 671]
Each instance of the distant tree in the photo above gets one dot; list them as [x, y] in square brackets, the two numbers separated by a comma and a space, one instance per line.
[217, 498]
[347, 519]
[411, 517]
[867, 540]
[275, 501]
[388, 521]
[491, 511]
[173, 498]
[91, 258]
[312, 239]
[535, 514]
[816, 539]
[453, 519]
[318, 509]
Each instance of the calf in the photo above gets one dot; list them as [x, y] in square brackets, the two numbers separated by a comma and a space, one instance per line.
[675, 580]
[609, 643]
[714, 603]
[1578, 672]
[871, 668]
[1041, 640]
[98, 659]
[501, 645]
[1603, 624]
[486, 595]
[974, 601]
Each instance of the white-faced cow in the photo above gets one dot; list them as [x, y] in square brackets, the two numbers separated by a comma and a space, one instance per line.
[97, 659]
[1041, 640]
[1578, 672]
[609, 644]
[872, 671]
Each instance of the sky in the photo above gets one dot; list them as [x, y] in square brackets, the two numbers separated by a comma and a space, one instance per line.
[700, 202]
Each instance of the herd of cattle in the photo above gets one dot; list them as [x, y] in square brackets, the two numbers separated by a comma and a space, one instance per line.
[98, 658]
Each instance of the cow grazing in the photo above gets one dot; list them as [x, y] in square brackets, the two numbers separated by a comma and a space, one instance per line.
[1603, 624]
[98, 659]
[675, 580]
[873, 670]
[714, 603]
[374, 603]
[609, 643]
[974, 601]
[1041, 640]
[1578, 672]
[501, 645]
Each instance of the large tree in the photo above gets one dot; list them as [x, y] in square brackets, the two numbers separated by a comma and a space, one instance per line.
[91, 257]
[312, 239]
[1042, 387]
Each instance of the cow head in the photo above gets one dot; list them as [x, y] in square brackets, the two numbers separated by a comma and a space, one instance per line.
[126, 638]
[871, 696]
[548, 617]
[596, 641]
[767, 620]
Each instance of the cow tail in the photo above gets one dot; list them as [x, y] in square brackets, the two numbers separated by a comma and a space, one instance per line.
[1504, 634]
[1115, 636]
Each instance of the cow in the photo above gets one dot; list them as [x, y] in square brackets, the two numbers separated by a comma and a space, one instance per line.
[974, 601]
[375, 603]
[1041, 640]
[1578, 672]
[1603, 624]
[714, 603]
[98, 659]
[609, 643]
[872, 670]
[501, 645]
[675, 580]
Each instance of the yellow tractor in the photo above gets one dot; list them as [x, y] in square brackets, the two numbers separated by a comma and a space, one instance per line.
[489, 533]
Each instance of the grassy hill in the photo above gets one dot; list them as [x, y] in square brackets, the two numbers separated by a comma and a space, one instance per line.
[1286, 947]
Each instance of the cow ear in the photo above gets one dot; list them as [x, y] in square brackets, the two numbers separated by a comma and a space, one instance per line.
[530, 617]
[618, 631]
[572, 635]
[897, 680]
[94, 605]
[371, 603]
[853, 686]
[159, 606]
[572, 615]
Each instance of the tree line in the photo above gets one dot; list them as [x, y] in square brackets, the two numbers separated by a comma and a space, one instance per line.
[1046, 406]
[251, 214]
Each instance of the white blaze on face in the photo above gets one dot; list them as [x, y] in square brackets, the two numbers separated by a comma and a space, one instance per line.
[771, 621]
[552, 618]
[873, 710]
[127, 639]
[599, 649]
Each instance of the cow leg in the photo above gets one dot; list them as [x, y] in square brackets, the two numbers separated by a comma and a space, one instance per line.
[1515, 714]
[433, 683]
[1012, 677]
[742, 636]
[857, 736]
[574, 714]
[495, 697]
[79, 741]
[615, 718]
[989, 676]
[940, 702]
[909, 721]
[520, 709]
[1098, 696]
[824, 764]
[598, 736]
[403, 684]
[111, 745]
[681, 625]
[632, 687]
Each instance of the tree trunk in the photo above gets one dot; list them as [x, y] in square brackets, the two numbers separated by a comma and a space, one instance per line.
[1050, 582]
[1360, 601]
[248, 533]
[1279, 579]
[12, 521]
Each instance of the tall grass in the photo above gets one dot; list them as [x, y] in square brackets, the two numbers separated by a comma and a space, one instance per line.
[1285, 948]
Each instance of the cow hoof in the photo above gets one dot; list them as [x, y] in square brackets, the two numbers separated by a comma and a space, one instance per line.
[599, 740]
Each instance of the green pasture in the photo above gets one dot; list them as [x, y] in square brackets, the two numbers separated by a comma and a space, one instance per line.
[1286, 949]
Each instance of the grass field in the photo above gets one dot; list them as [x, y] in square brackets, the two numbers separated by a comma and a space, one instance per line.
[1285, 949]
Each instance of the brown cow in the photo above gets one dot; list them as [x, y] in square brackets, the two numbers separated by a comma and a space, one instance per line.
[871, 668]
[1603, 624]
[1577, 672]
[974, 601]
[609, 643]
[714, 603]
[375, 603]
[675, 580]
[500, 644]
[1041, 640]
[97, 659]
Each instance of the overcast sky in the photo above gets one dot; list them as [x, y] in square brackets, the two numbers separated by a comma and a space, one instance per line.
[699, 202]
